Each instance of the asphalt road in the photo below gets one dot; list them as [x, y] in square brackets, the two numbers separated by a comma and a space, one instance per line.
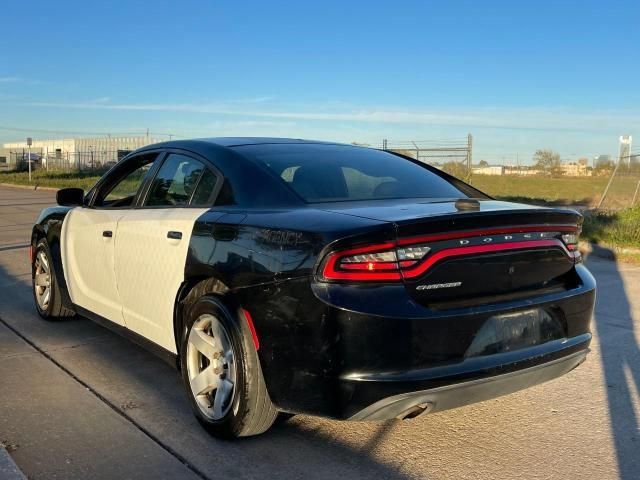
[77, 401]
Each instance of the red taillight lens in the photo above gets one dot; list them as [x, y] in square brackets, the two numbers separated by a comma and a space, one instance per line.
[380, 262]
[412, 257]
[571, 242]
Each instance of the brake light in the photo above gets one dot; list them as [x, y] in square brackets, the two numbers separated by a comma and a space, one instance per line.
[373, 262]
[571, 240]
[412, 257]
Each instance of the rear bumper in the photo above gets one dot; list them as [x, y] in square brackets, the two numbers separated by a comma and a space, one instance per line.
[368, 352]
[465, 393]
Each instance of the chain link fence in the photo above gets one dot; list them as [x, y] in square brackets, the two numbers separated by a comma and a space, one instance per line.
[453, 156]
[80, 161]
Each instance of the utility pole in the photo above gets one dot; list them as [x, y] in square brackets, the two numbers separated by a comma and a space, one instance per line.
[606, 190]
[417, 151]
[384, 144]
[469, 156]
[29, 142]
[633, 202]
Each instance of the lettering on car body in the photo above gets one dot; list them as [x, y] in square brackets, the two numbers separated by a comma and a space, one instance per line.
[278, 237]
[434, 286]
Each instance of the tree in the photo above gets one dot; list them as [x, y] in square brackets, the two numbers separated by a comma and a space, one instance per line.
[548, 161]
[603, 168]
[483, 163]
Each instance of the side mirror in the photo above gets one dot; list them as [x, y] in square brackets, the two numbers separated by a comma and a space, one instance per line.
[70, 197]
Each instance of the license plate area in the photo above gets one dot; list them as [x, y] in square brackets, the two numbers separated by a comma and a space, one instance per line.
[515, 331]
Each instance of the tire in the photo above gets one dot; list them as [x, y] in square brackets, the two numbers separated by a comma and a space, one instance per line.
[242, 410]
[49, 306]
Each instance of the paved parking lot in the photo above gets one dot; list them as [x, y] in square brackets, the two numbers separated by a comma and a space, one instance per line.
[77, 401]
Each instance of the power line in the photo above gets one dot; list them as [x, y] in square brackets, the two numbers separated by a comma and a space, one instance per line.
[84, 132]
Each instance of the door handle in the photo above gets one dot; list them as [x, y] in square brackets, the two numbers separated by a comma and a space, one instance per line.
[173, 235]
[107, 233]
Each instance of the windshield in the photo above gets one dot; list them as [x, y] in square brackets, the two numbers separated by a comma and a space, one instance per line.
[325, 173]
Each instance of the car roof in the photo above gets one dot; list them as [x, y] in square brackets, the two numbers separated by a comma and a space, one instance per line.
[251, 182]
[228, 142]
[239, 141]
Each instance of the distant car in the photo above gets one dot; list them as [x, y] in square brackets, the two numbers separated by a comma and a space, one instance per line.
[308, 277]
[22, 161]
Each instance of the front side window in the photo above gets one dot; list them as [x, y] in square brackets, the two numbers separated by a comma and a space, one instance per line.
[175, 182]
[122, 185]
[329, 173]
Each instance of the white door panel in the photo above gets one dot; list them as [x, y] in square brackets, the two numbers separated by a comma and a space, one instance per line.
[150, 268]
[88, 260]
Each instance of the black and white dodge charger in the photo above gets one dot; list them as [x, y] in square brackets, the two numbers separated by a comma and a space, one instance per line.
[308, 277]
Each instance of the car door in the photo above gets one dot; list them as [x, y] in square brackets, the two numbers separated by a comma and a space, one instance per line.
[89, 234]
[153, 241]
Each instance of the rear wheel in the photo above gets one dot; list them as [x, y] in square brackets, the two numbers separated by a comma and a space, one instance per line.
[46, 291]
[222, 373]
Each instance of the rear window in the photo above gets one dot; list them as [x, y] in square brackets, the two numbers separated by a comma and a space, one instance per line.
[329, 173]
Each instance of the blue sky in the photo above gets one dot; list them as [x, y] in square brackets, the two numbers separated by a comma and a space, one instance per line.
[517, 75]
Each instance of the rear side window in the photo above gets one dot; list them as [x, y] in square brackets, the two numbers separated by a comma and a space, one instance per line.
[322, 173]
[175, 182]
[204, 190]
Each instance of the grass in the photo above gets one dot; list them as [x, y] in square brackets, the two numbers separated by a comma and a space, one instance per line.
[558, 191]
[535, 190]
[56, 179]
[619, 229]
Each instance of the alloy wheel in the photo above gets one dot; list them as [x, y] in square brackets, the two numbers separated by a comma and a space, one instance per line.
[211, 366]
[42, 280]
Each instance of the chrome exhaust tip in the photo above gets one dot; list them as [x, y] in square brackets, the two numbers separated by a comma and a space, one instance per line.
[416, 411]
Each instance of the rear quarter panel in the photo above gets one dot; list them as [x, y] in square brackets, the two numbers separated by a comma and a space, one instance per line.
[264, 262]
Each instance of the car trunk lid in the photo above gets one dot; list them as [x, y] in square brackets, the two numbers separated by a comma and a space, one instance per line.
[478, 251]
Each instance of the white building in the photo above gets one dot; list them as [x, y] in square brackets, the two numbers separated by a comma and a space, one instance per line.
[488, 170]
[70, 152]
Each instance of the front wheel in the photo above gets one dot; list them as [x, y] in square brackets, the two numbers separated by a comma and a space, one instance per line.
[222, 373]
[46, 291]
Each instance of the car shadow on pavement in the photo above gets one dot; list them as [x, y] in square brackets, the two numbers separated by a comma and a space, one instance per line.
[620, 356]
[149, 394]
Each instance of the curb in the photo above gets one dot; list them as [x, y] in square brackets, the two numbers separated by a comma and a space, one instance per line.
[29, 187]
[8, 469]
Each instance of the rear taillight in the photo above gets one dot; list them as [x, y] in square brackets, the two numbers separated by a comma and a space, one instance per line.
[374, 262]
[571, 240]
[386, 260]
[412, 257]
